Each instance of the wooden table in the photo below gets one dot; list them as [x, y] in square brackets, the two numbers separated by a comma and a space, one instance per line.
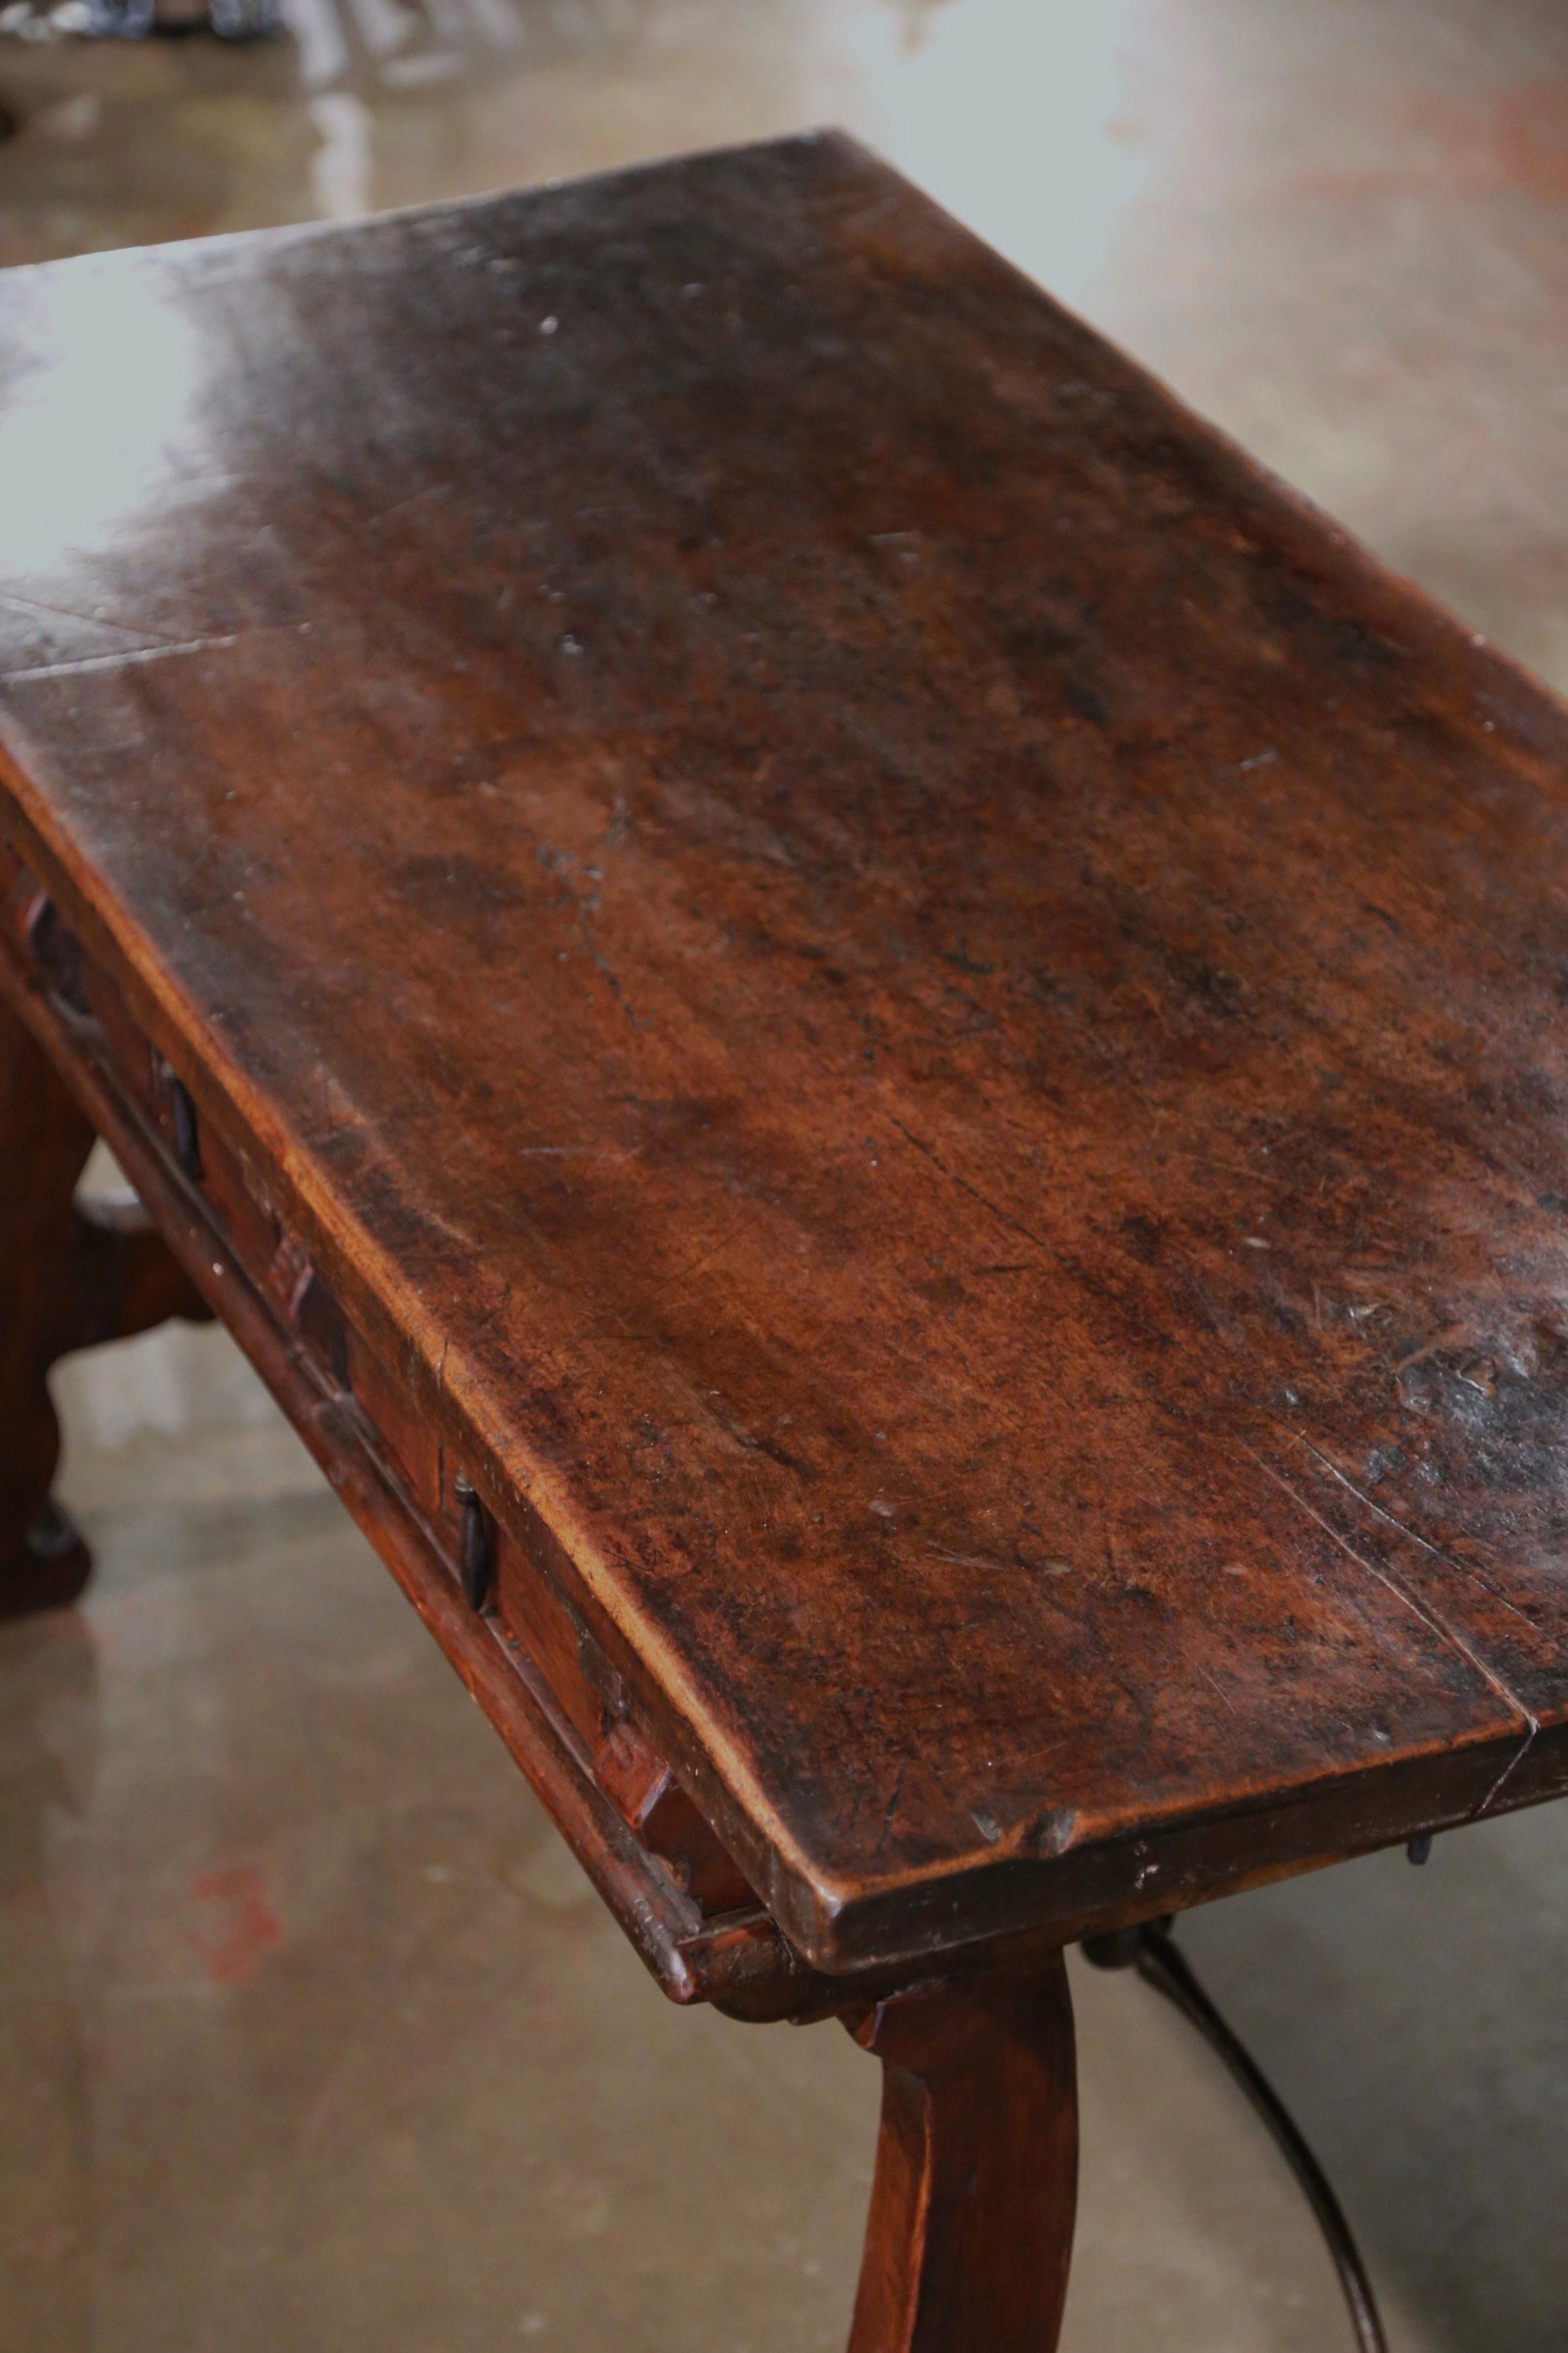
[874, 1048]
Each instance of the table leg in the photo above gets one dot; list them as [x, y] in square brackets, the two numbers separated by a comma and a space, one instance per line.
[969, 2231]
[65, 1283]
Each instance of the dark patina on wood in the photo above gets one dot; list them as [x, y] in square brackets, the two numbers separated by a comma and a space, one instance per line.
[916, 1021]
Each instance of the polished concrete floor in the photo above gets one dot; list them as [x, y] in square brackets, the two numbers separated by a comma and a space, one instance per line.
[310, 2034]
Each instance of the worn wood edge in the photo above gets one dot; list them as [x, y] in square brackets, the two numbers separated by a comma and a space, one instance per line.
[740, 1960]
[371, 1288]
[1193, 1859]
[218, 245]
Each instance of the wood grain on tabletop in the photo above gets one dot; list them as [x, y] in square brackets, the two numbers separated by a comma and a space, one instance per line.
[937, 1014]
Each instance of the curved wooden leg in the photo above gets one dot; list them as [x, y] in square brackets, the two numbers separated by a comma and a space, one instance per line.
[969, 2231]
[42, 1560]
[64, 1283]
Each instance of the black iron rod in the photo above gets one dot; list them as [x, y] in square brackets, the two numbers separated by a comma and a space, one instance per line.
[1160, 1965]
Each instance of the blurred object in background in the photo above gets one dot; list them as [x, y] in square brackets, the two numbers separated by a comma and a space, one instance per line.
[134, 20]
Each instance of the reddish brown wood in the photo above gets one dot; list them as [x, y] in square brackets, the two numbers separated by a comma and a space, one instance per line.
[738, 1961]
[43, 1562]
[65, 1283]
[919, 1023]
[971, 2227]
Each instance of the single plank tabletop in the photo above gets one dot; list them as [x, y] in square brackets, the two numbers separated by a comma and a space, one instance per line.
[936, 1013]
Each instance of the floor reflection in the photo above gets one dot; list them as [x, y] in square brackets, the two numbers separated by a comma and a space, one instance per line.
[49, 1739]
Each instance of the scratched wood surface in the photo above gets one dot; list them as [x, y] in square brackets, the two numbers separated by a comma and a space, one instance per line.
[934, 1018]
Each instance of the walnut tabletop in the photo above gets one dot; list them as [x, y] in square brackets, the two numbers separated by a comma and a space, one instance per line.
[911, 1024]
